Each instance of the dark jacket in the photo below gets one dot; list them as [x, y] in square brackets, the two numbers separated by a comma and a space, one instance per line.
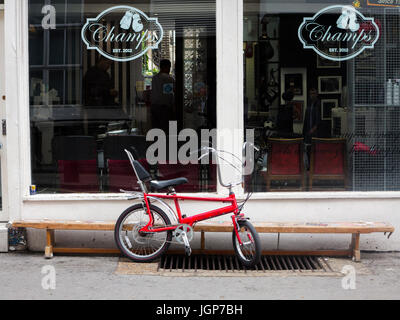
[97, 85]
[312, 118]
[285, 118]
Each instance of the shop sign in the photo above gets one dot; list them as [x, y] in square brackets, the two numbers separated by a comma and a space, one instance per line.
[384, 3]
[122, 33]
[338, 33]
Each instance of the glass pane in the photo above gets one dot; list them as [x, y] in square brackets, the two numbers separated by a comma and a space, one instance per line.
[73, 87]
[35, 11]
[57, 50]
[73, 46]
[75, 11]
[96, 92]
[60, 6]
[55, 95]
[36, 46]
[37, 89]
[322, 103]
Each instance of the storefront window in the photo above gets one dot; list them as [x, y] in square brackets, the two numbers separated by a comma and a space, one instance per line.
[105, 73]
[322, 93]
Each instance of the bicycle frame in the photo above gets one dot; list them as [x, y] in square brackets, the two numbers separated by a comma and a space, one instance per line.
[233, 207]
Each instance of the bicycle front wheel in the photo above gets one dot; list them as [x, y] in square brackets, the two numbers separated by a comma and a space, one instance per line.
[137, 246]
[249, 252]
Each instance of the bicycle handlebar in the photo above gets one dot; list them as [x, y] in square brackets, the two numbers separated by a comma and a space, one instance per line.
[217, 153]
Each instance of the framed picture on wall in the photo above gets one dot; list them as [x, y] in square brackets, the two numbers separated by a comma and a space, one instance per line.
[329, 84]
[294, 82]
[294, 79]
[323, 63]
[298, 110]
[326, 108]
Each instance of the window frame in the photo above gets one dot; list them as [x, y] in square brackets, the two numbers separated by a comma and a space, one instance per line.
[229, 22]
[46, 67]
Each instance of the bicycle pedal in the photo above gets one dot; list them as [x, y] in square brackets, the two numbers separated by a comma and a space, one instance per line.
[188, 251]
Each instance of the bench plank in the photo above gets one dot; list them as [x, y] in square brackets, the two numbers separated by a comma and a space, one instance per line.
[262, 227]
[64, 225]
[302, 227]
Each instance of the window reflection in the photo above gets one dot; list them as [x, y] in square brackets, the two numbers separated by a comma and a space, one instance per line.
[81, 102]
[343, 111]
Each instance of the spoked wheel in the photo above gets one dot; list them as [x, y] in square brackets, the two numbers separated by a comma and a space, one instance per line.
[249, 252]
[137, 246]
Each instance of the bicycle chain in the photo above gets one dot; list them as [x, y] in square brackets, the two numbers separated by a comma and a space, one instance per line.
[172, 241]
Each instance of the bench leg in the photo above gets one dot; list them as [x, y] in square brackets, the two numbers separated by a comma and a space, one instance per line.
[48, 251]
[203, 241]
[355, 247]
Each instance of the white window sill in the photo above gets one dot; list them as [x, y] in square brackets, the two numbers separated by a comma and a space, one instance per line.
[97, 196]
[75, 197]
[326, 195]
[255, 196]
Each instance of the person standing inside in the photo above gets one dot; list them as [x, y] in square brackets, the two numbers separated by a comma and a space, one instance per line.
[163, 97]
[312, 120]
[98, 88]
[285, 115]
[98, 94]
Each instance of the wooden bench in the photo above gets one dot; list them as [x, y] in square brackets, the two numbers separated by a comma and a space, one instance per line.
[353, 228]
[51, 225]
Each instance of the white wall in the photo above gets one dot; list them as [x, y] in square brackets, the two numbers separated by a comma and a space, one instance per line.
[17, 102]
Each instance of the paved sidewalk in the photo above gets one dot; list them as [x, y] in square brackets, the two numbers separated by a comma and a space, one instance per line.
[30, 276]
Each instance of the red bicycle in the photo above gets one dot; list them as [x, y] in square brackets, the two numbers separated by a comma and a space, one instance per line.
[144, 231]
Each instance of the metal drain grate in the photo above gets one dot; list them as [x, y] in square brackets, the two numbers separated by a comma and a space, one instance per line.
[230, 263]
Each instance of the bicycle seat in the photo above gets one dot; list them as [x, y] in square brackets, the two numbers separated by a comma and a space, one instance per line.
[158, 185]
[145, 176]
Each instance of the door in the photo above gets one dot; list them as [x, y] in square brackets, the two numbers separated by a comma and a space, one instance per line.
[3, 211]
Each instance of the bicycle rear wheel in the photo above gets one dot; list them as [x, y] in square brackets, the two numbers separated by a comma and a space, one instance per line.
[249, 252]
[137, 246]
